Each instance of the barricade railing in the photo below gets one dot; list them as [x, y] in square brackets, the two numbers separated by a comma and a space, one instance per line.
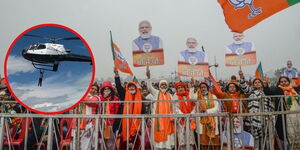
[226, 123]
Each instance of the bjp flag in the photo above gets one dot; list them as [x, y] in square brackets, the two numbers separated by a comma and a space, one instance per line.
[241, 15]
[120, 61]
[259, 72]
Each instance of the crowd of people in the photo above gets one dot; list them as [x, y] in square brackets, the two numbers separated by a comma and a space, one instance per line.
[193, 97]
[204, 131]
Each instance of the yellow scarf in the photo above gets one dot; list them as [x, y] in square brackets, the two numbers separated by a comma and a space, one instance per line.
[207, 122]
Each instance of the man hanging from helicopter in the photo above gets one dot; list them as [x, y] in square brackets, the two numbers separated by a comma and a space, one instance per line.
[41, 78]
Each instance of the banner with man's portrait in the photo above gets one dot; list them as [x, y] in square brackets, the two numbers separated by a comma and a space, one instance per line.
[148, 57]
[246, 59]
[241, 54]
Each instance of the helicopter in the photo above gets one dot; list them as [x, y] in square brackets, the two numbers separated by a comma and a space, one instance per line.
[47, 56]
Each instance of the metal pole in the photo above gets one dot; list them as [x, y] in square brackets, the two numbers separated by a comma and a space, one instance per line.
[127, 125]
[103, 146]
[143, 133]
[198, 124]
[187, 130]
[50, 134]
[152, 134]
[77, 138]
[221, 126]
[262, 119]
[241, 120]
[26, 134]
[96, 133]
[283, 125]
[175, 123]
[271, 133]
[1, 132]
[230, 129]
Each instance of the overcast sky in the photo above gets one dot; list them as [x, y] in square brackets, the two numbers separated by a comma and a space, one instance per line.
[276, 39]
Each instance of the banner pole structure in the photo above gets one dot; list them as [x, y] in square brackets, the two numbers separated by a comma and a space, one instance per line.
[216, 73]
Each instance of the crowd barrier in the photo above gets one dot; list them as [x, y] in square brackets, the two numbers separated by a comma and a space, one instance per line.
[63, 130]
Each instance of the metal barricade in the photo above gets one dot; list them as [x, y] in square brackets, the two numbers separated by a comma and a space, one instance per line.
[227, 129]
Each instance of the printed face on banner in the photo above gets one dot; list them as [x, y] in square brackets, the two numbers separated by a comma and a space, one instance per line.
[147, 49]
[240, 54]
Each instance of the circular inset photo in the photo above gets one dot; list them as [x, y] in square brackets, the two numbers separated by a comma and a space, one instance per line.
[49, 68]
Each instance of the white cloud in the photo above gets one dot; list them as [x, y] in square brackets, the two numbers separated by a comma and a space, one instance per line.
[37, 106]
[52, 96]
[69, 74]
[17, 65]
[85, 79]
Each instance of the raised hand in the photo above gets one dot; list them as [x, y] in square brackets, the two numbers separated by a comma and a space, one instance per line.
[148, 72]
[116, 72]
[192, 82]
[241, 74]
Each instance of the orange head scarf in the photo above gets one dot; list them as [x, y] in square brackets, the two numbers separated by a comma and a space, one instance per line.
[131, 108]
[185, 107]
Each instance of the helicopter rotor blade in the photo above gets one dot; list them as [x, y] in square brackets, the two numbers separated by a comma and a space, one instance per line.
[38, 36]
[68, 38]
[53, 40]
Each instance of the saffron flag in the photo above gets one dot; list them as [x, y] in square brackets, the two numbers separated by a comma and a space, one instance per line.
[120, 61]
[297, 81]
[259, 74]
[243, 14]
[216, 87]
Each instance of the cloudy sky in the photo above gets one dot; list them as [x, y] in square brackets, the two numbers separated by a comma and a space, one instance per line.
[276, 38]
[60, 89]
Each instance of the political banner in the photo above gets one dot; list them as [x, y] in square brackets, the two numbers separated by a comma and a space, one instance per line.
[245, 59]
[143, 58]
[198, 70]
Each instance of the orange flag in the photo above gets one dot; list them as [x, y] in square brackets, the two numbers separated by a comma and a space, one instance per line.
[120, 61]
[297, 81]
[216, 88]
[243, 14]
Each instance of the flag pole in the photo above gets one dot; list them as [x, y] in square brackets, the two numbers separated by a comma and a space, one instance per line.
[112, 48]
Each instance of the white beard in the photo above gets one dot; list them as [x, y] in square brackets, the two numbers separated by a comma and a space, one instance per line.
[193, 50]
[163, 90]
[145, 35]
[238, 42]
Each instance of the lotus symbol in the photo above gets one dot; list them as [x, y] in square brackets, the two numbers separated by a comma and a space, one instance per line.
[240, 4]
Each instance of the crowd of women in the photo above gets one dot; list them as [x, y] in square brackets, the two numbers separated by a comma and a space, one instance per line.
[193, 97]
